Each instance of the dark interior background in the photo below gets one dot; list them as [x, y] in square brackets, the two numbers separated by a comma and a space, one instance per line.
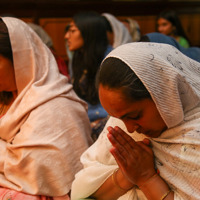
[54, 15]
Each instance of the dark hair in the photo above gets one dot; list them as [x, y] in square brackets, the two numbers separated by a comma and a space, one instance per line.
[107, 24]
[144, 38]
[87, 60]
[171, 16]
[115, 74]
[5, 51]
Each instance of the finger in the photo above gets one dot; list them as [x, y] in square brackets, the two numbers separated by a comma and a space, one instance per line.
[115, 143]
[119, 140]
[123, 134]
[130, 144]
[121, 161]
[119, 137]
[124, 150]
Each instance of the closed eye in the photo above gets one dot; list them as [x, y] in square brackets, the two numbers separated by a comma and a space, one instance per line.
[134, 118]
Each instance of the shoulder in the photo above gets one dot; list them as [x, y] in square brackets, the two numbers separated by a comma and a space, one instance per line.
[60, 110]
[183, 42]
[108, 50]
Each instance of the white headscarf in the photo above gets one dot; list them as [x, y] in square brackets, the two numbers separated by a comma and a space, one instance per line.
[121, 33]
[173, 81]
[46, 128]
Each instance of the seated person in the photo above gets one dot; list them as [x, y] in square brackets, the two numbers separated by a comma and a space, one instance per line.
[150, 146]
[168, 23]
[44, 127]
[191, 52]
[117, 32]
[86, 37]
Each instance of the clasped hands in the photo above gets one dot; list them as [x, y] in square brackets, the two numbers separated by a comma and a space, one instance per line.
[135, 159]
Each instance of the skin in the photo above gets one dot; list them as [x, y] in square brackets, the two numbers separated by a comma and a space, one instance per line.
[7, 75]
[141, 116]
[110, 37]
[165, 27]
[74, 37]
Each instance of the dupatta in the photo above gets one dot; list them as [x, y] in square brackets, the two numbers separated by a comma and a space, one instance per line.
[46, 129]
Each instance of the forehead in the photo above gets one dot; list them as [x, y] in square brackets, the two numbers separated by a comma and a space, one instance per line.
[162, 21]
[114, 102]
[72, 24]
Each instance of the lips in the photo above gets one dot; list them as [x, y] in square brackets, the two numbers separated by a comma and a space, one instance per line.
[142, 131]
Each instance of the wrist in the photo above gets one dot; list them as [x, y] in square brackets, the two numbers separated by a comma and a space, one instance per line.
[143, 179]
[156, 188]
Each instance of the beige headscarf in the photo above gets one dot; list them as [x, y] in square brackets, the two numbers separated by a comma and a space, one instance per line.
[46, 128]
[174, 84]
[121, 33]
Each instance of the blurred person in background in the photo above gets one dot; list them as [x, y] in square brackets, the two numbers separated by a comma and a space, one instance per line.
[133, 27]
[87, 39]
[191, 52]
[168, 23]
[117, 32]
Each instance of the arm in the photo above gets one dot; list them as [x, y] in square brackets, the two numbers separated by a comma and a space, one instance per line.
[136, 167]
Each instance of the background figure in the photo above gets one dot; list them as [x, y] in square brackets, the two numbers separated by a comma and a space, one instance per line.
[168, 23]
[150, 146]
[86, 37]
[62, 66]
[118, 34]
[69, 53]
[191, 52]
[133, 27]
[44, 127]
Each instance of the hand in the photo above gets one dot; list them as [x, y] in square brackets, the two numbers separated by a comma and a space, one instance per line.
[135, 159]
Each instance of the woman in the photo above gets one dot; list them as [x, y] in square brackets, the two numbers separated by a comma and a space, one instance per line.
[133, 28]
[86, 37]
[44, 126]
[191, 52]
[153, 153]
[169, 24]
[117, 32]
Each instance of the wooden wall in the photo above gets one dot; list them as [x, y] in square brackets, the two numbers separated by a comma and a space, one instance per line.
[53, 16]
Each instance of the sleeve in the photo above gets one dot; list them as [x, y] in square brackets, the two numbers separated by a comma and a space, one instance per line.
[43, 157]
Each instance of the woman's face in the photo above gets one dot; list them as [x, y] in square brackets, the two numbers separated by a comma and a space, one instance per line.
[141, 116]
[7, 75]
[165, 27]
[74, 37]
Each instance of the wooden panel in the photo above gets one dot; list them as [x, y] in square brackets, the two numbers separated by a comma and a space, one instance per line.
[53, 15]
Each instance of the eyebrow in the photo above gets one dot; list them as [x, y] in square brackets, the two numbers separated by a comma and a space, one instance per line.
[130, 113]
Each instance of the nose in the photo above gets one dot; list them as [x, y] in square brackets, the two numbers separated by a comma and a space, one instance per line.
[66, 35]
[160, 29]
[131, 127]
